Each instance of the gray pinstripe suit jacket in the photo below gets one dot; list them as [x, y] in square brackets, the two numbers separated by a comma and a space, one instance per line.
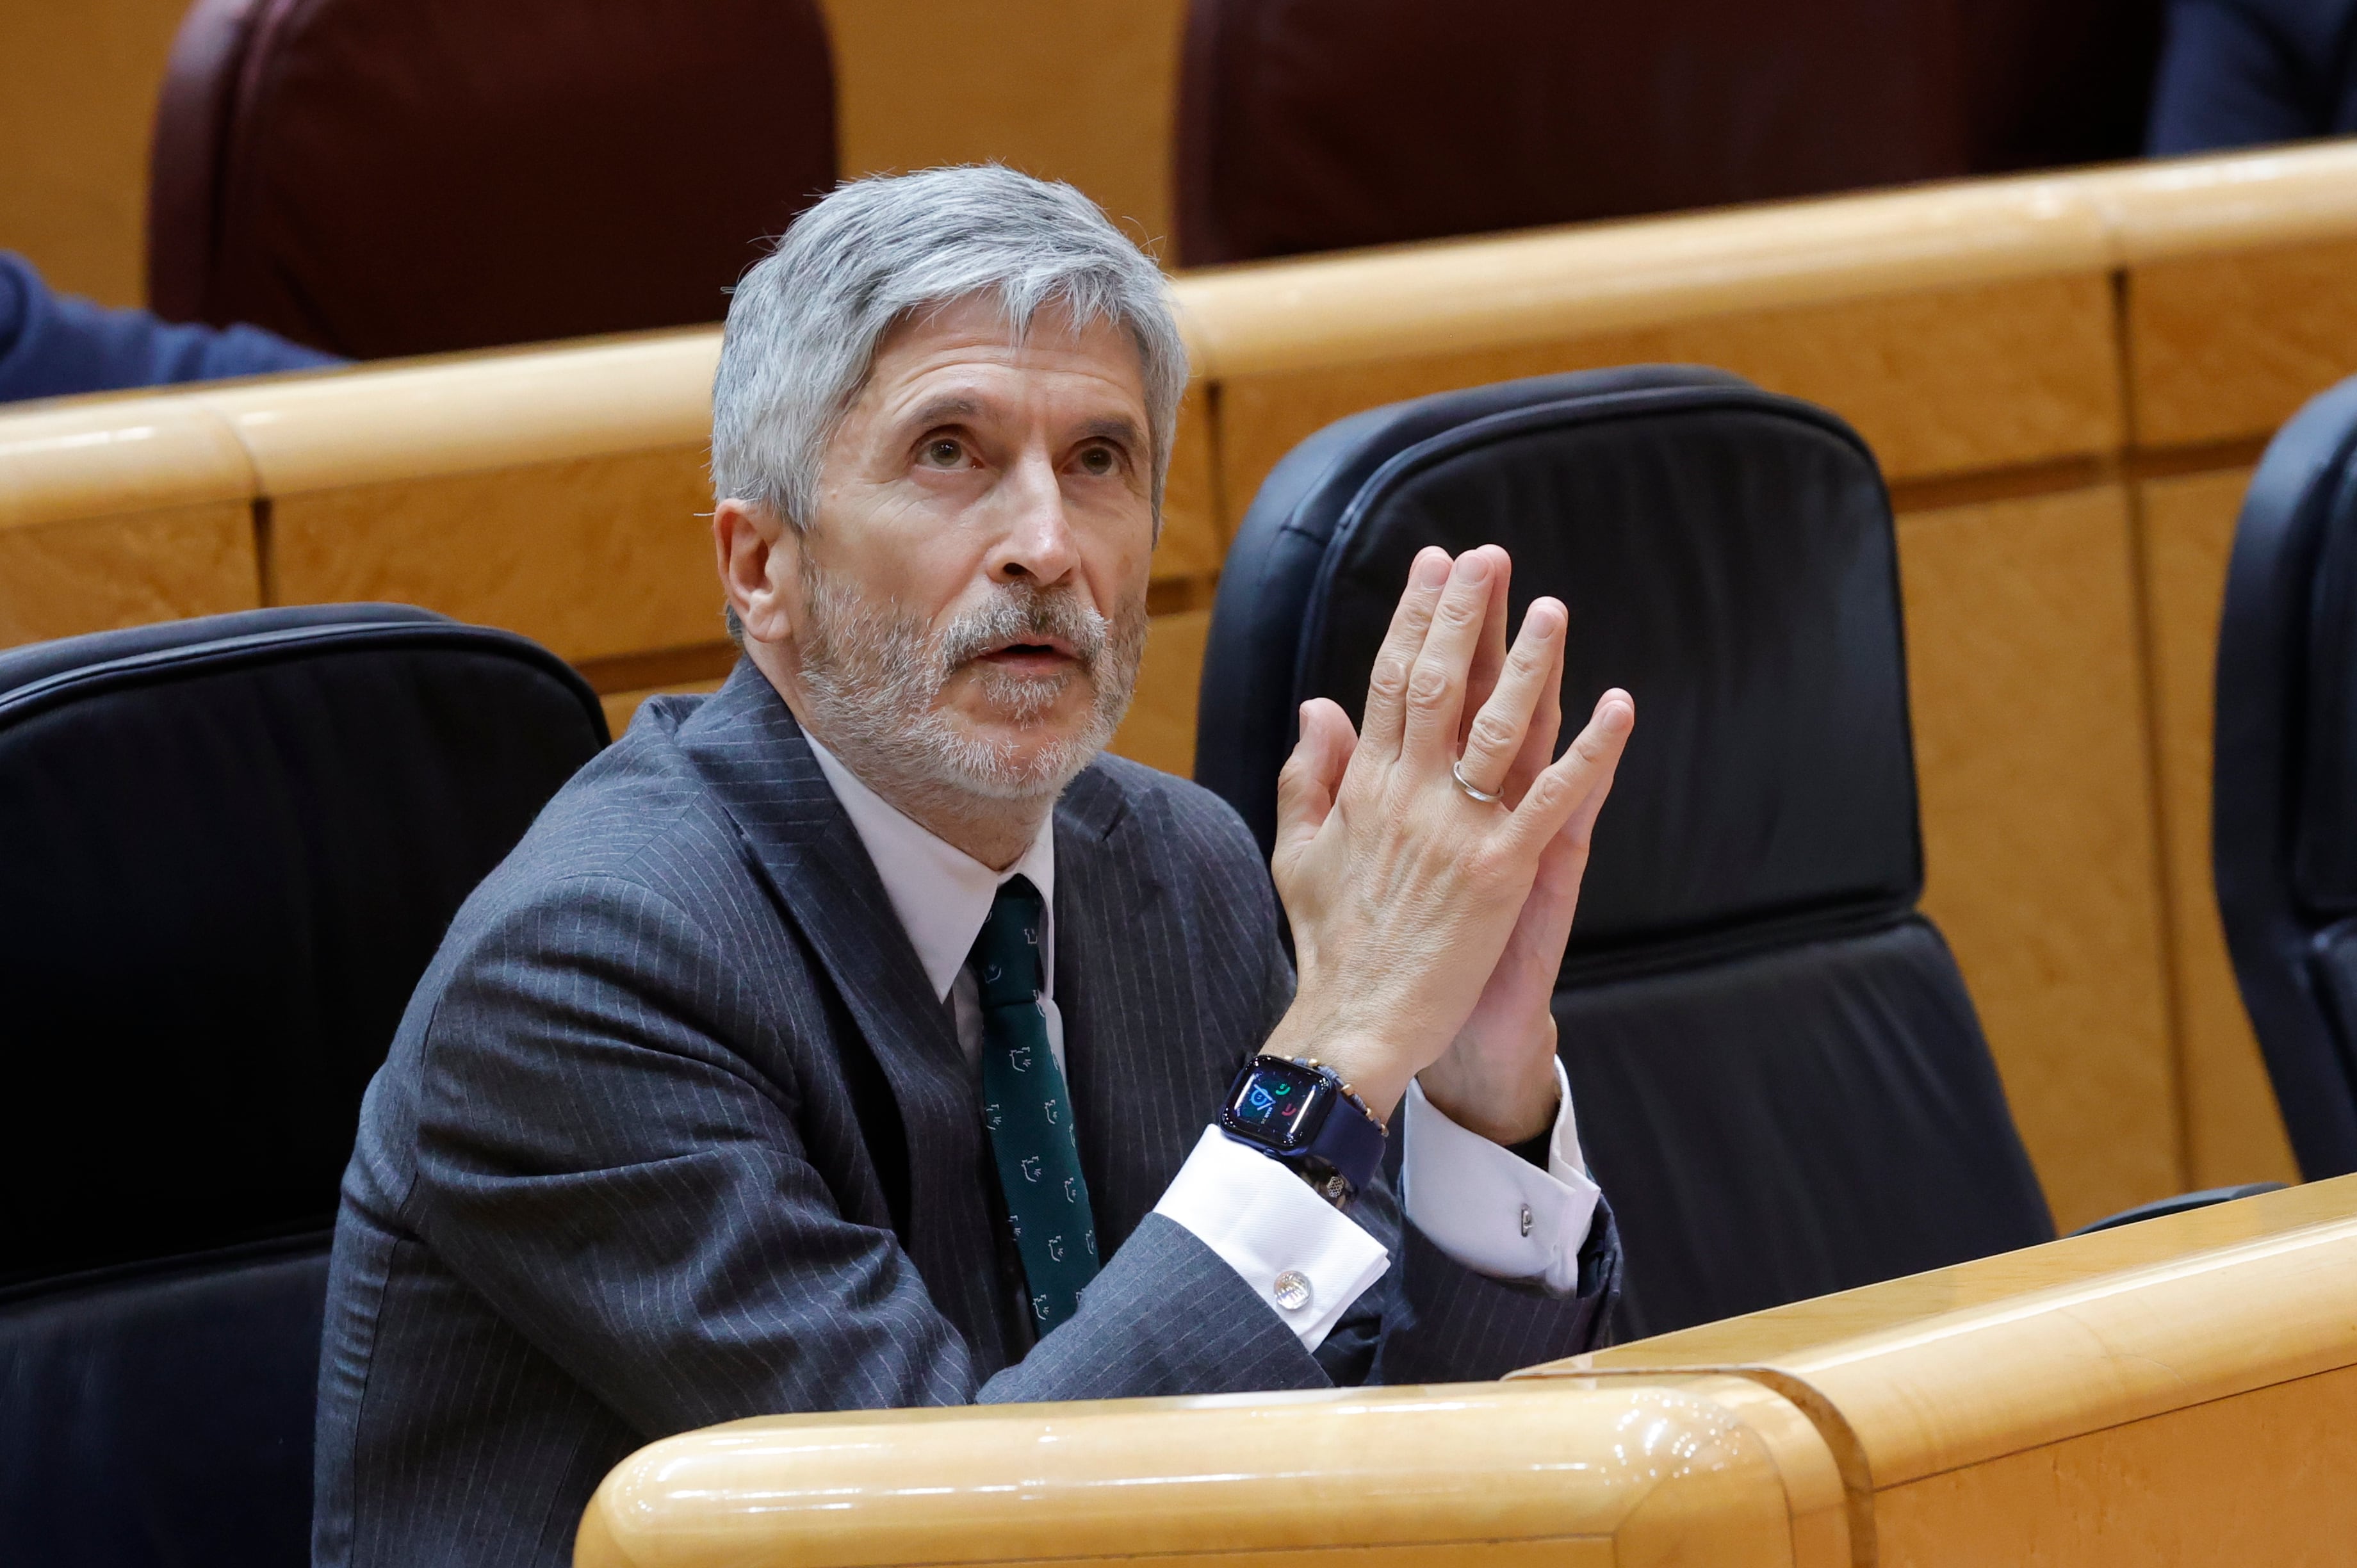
[675, 1132]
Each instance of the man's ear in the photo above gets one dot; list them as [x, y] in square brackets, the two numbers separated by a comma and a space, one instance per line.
[756, 556]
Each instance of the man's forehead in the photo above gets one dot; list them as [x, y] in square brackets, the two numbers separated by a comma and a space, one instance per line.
[964, 365]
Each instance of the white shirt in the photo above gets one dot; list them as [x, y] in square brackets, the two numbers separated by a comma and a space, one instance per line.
[1478, 1202]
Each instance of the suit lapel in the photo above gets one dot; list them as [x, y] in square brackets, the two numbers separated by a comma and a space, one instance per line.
[746, 744]
[1145, 1077]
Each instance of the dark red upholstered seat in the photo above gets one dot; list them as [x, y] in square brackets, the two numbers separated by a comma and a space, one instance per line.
[1316, 125]
[401, 176]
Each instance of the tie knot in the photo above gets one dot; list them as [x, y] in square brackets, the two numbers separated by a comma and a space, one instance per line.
[1005, 956]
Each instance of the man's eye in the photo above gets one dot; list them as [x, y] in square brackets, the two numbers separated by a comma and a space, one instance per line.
[944, 453]
[1099, 461]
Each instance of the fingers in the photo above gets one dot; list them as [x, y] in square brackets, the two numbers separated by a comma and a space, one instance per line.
[1546, 723]
[1494, 739]
[1576, 785]
[1436, 682]
[1305, 786]
[1490, 653]
[1388, 681]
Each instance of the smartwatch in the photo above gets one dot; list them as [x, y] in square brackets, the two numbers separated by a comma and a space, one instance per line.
[1305, 1117]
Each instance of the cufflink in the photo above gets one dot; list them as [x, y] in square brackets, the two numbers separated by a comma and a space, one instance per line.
[1292, 1290]
[1526, 1220]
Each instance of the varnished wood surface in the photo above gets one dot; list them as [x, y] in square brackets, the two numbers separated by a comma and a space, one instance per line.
[64, 461]
[1679, 1469]
[2180, 1390]
[78, 86]
[1070, 89]
[2026, 695]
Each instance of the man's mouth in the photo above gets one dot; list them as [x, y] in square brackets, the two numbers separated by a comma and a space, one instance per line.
[1045, 656]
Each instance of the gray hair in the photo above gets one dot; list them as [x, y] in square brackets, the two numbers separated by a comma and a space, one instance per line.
[804, 323]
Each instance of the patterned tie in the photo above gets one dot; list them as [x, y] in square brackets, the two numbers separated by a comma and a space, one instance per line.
[1030, 1118]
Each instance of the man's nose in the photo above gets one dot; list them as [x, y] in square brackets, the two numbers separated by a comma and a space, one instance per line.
[1037, 544]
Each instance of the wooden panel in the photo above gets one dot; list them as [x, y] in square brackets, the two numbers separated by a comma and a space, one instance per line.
[61, 579]
[1677, 1470]
[2231, 345]
[2259, 1479]
[1194, 532]
[1064, 89]
[2181, 1391]
[1979, 377]
[1973, 1384]
[1160, 728]
[593, 556]
[2234, 1132]
[2039, 845]
[78, 85]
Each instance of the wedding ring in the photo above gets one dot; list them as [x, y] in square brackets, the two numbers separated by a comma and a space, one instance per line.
[1457, 771]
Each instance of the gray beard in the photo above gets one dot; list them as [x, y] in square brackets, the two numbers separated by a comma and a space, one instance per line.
[872, 677]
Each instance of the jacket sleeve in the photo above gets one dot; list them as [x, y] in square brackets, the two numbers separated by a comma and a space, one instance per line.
[596, 1160]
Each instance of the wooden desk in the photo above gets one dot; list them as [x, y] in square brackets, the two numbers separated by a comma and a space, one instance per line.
[1542, 1475]
[2182, 1390]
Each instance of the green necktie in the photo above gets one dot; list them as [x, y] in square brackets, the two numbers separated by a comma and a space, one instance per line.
[1027, 1113]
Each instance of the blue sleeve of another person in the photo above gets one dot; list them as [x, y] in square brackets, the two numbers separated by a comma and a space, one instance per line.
[54, 345]
[2244, 73]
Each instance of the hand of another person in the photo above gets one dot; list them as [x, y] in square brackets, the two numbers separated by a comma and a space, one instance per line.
[1404, 891]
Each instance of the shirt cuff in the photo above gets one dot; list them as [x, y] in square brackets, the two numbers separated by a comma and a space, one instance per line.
[1298, 1253]
[1492, 1211]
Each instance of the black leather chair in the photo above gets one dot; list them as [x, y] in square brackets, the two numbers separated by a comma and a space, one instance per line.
[228, 848]
[2284, 776]
[1780, 1079]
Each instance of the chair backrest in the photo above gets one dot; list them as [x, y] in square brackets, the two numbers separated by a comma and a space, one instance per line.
[228, 848]
[1780, 1081]
[402, 177]
[2284, 775]
[1316, 124]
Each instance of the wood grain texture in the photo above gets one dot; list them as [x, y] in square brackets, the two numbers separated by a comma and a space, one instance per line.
[1676, 1470]
[1473, 295]
[78, 86]
[2259, 1479]
[1063, 89]
[1160, 728]
[471, 413]
[2158, 209]
[2231, 345]
[594, 556]
[2235, 1130]
[1981, 377]
[2177, 1391]
[95, 573]
[2042, 854]
[115, 457]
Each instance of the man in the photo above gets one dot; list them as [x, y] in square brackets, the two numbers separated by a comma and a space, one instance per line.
[852, 1037]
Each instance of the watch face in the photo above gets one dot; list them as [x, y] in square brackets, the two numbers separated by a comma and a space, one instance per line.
[1273, 1105]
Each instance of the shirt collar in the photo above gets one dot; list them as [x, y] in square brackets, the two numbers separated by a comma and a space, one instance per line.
[942, 893]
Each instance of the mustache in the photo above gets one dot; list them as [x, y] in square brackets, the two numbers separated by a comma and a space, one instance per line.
[1023, 612]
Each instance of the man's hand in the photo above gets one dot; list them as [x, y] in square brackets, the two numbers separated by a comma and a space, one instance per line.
[1405, 893]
